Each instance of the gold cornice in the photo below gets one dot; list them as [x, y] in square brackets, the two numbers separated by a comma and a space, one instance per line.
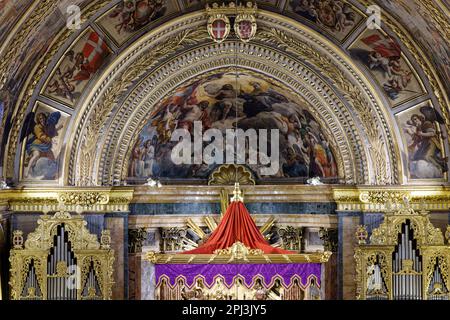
[157, 258]
[374, 199]
[73, 199]
[347, 198]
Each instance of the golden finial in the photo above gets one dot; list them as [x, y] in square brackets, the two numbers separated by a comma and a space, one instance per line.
[237, 194]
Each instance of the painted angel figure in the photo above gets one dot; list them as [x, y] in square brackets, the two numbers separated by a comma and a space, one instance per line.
[132, 14]
[40, 129]
[425, 148]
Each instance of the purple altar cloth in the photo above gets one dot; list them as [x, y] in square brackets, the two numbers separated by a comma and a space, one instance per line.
[268, 272]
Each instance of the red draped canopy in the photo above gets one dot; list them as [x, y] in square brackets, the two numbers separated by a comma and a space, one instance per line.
[236, 225]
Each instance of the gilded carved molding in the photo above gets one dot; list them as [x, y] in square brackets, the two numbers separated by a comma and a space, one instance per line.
[377, 137]
[137, 121]
[358, 198]
[213, 60]
[228, 174]
[86, 248]
[73, 199]
[382, 251]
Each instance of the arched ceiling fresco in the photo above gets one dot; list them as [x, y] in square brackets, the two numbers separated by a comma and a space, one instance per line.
[75, 102]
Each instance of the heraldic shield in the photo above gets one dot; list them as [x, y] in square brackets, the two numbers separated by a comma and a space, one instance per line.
[245, 27]
[218, 27]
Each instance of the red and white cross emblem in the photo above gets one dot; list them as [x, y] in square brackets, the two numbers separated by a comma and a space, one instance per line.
[219, 28]
[95, 49]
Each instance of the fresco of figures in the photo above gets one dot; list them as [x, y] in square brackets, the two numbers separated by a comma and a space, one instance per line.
[260, 104]
[335, 16]
[10, 10]
[130, 16]
[42, 135]
[414, 15]
[382, 55]
[424, 142]
[36, 44]
[77, 67]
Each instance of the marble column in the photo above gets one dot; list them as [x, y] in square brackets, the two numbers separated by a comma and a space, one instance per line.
[144, 271]
[347, 223]
[148, 280]
[330, 276]
[117, 223]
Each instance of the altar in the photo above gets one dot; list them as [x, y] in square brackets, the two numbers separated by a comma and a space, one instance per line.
[237, 263]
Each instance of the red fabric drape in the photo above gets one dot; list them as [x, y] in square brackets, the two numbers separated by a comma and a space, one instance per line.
[236, 225]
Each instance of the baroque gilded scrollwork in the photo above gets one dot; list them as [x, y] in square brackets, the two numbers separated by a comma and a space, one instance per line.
[30, 261]
[228, 174]
[406, 258]
[83, 199]
[383, 196]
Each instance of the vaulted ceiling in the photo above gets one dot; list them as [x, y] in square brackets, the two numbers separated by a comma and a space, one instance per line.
[361, 86]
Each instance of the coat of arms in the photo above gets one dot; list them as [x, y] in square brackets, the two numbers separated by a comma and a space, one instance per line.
[218, 27]
[244, 20]
[245, 27]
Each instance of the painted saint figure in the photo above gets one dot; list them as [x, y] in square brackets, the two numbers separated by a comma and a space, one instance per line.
[149, 156]
[425, 149]
[40, 129]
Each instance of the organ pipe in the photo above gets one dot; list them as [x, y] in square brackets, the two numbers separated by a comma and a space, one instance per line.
[56, 264]
[411, 255]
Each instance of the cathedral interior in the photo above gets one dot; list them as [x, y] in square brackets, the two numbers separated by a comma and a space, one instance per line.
[119, 176]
